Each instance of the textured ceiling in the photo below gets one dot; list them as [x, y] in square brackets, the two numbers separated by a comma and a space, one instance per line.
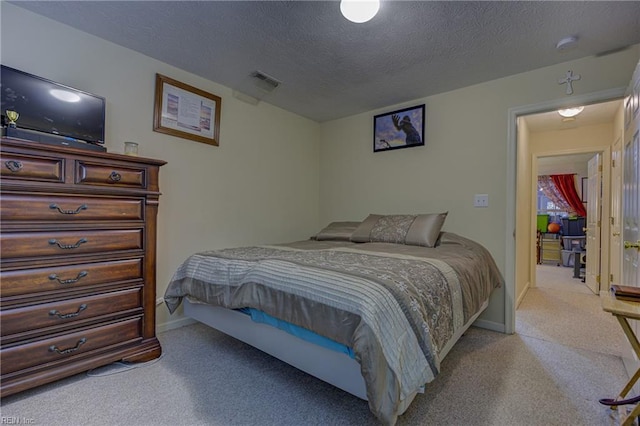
[332, 68]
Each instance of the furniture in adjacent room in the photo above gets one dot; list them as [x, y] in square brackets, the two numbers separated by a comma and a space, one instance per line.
[573, 241]
[573, 226]
[624, 311]
[572, 244]
[579, 264]
[550, 247]
[78, 247]
[542, 222]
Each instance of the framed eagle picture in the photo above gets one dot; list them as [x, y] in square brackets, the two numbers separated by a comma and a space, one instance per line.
[403, 128]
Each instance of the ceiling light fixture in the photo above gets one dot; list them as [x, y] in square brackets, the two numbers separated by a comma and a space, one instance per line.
[570, 112]
[359, 11]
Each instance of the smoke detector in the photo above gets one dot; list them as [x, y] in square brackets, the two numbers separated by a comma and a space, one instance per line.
[567, 43]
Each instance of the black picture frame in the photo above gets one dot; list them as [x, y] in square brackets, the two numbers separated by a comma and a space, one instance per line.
[403, 128]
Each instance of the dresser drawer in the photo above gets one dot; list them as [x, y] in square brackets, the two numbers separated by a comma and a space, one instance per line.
[65, 312]
[68, 346]
[23, 167]
[52, 279]
[69, 208]
[99, 174]
[34, 244]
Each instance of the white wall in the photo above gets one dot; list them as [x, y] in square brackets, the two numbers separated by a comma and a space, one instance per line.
[567, 165]
[569, 139]
[595, 135]
[465, 154]
[259, 186]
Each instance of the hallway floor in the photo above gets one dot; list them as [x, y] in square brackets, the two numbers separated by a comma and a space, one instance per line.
[561, 309]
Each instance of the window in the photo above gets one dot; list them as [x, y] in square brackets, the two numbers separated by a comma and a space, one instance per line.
[546, 206]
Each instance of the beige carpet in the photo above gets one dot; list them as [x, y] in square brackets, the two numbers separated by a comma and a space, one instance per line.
[563, 310]
[559, 278]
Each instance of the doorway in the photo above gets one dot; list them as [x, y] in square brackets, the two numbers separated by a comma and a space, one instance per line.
[565, 248]
[520, 245]
[543, 136]
[549, 136]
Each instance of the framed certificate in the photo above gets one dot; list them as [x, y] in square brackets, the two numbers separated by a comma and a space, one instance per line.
[186, 112]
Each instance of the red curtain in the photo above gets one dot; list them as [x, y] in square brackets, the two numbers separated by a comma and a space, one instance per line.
[567, 186]
[551, 191]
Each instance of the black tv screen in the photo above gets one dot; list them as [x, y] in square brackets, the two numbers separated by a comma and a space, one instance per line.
[50, 107]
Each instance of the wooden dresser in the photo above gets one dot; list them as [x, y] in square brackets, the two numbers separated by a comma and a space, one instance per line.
[78, 253]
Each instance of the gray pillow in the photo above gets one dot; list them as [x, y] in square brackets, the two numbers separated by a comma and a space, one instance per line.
[338, 231]
[417, 230]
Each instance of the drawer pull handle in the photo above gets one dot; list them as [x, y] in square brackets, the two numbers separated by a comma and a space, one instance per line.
[14, 166]
[53, 241]
[81, 274]
[54, 348]
[631, 244]
[76, 211]
[55, 313]
[115, 177]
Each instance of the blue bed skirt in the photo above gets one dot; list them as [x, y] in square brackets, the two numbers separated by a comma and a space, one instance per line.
[300, 332]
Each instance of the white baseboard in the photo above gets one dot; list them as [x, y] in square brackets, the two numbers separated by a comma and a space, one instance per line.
[177, 323]
[522, 294]
[489, 325]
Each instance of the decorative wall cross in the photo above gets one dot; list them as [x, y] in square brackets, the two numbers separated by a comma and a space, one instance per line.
[568, 79]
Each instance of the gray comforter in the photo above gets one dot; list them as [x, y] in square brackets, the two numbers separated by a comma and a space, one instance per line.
[396, 305]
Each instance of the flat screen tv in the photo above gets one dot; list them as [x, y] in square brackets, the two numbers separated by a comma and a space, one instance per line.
[51, 108]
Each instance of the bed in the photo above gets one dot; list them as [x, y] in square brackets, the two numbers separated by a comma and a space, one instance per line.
[371, 307]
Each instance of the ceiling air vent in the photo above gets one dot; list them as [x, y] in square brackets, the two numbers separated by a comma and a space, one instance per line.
[265, 82]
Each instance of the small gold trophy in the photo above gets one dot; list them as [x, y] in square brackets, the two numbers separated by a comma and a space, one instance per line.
[13, 117]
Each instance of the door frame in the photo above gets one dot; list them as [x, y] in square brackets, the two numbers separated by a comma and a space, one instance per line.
[512, 151]
[615, 245]
[605, 152]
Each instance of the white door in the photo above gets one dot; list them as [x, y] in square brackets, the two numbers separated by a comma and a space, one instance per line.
[615, 241]
[631, 188]
[631, 182]
[594, 191]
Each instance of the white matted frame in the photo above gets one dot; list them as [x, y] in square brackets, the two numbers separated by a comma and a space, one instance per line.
[185, 111]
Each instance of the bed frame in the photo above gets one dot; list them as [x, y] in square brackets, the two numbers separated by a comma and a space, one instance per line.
[333, 367]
